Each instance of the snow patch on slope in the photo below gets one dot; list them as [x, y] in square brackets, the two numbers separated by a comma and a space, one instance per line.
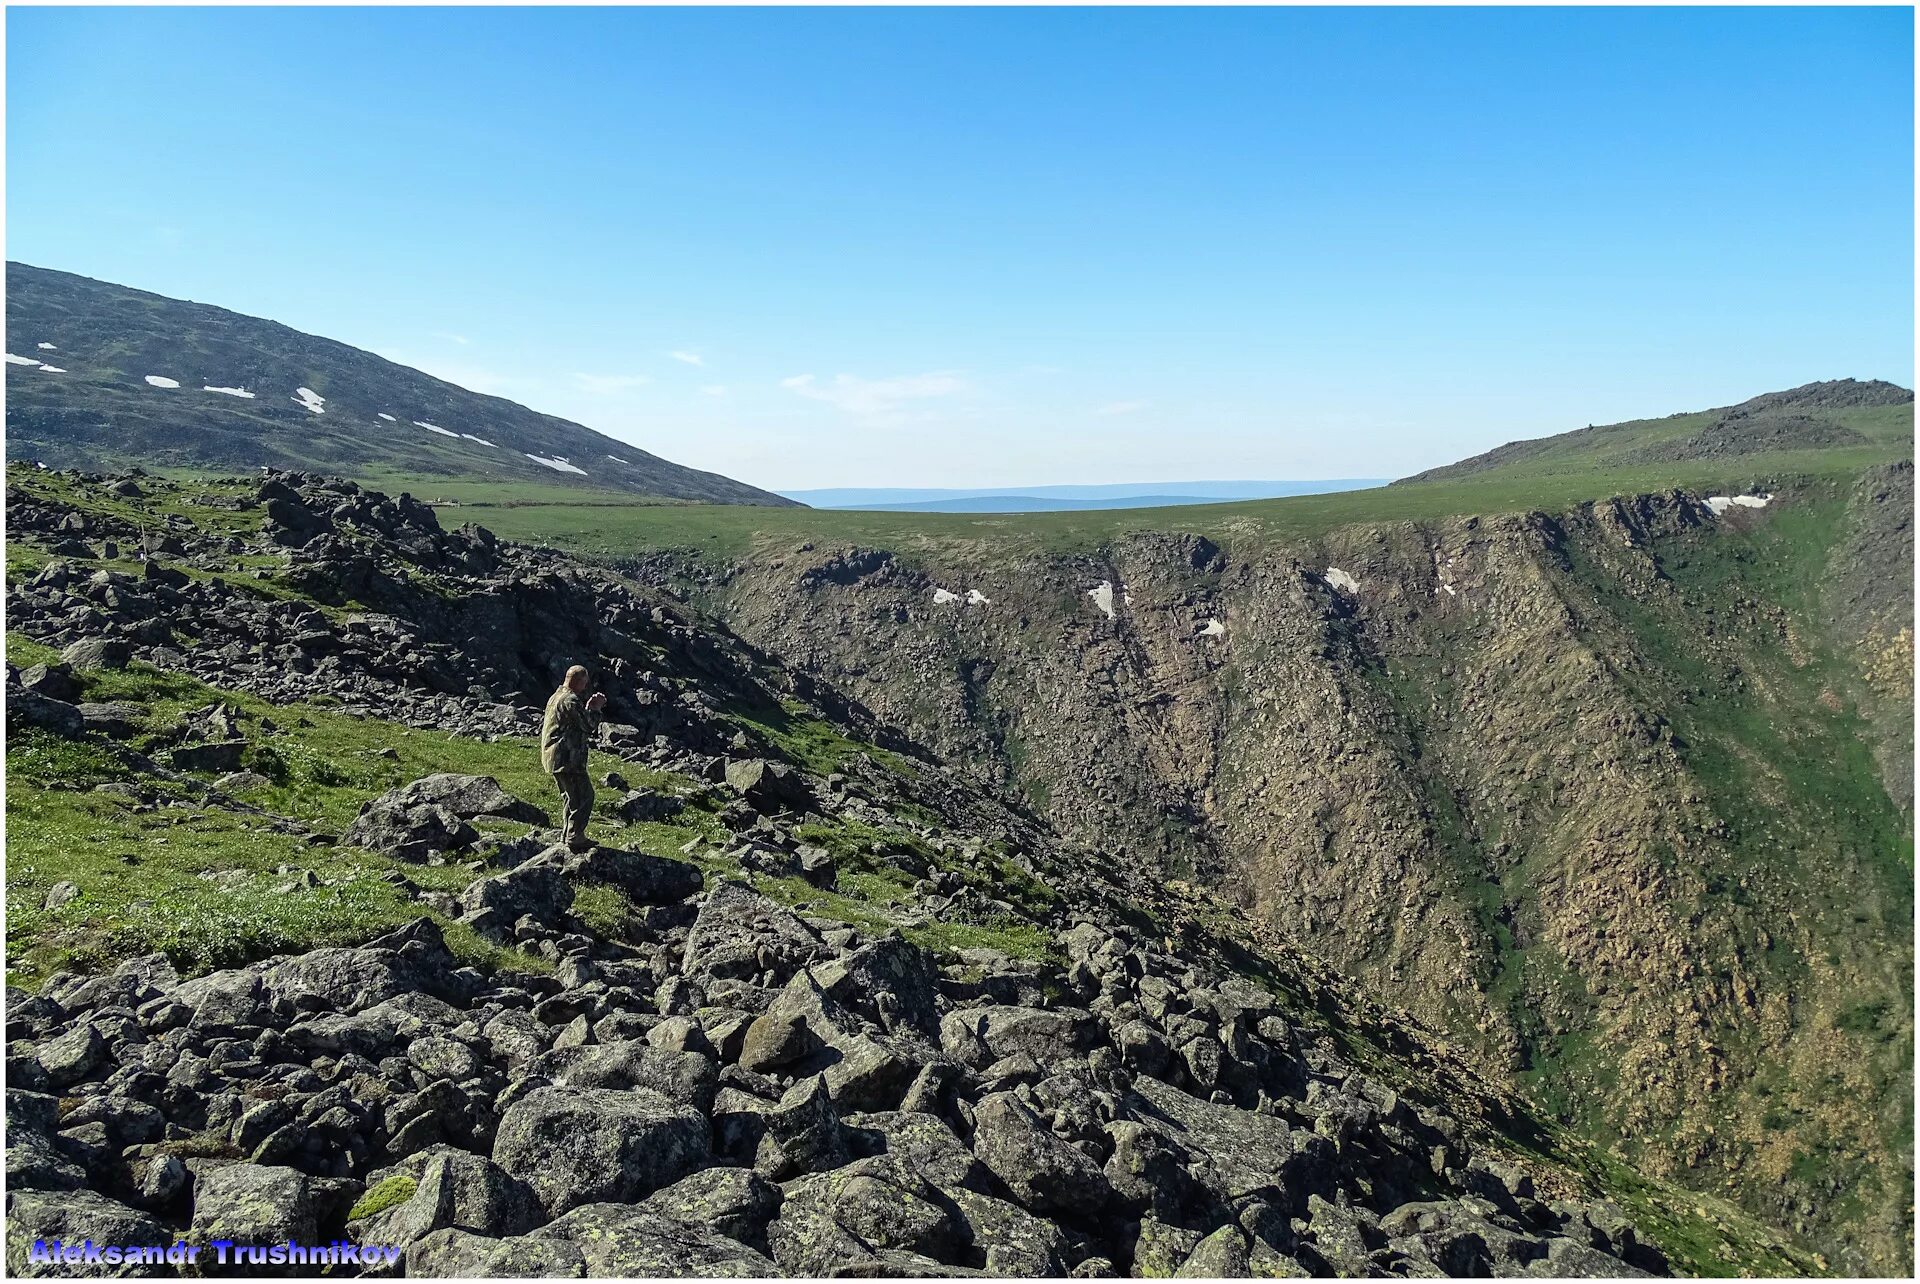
[557, 463]
[310, 399]
[161, 381]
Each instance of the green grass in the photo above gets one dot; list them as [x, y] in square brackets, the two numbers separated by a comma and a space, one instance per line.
[199, 882]
[806, 739]
[728, 532]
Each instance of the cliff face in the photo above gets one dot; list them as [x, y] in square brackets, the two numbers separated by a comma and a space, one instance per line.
[1618, 796]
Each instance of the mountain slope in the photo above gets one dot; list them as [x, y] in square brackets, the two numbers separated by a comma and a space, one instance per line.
[1613, 786]
[1831, 416]
[816, 1004]
[84, 355]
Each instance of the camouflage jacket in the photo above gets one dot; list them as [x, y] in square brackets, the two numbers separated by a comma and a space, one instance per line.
[565, 730]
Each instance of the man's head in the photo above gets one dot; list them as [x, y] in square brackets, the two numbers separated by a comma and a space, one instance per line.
[577, 678]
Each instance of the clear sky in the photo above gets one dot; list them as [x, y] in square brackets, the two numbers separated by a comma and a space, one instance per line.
[994, 247]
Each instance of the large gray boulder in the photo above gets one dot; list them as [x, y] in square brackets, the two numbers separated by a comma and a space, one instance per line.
[739, 932]
[453, 1188]
[1043, 1172]
[468, 797]
[603, 1240]
[76, 1217]
[252, 1204]
[620, 1241]
[25, 709]
[97, 653]
[769, 786]
[736, 1202]
[451, 1253]
[644, 878]
[410, 831]
[583, 1146]
[884, 1203]
[539, 888]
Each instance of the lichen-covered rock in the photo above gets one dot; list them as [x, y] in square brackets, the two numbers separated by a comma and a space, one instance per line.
[736, 1202]
[584, 1146]
[77, 1217]
[1044, 1173]
[252, 1204]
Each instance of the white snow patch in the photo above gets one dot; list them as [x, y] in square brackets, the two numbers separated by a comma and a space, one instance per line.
[943, 596]
[231, 392]
[1341, 580]
[1721, 503]
[616, 459]
[467, 436]
[444, 432]
[1449, 589]
[389, 418]
[311, 400]
[48, 347]
[20, 361]
[557, 463]
[53, 369]
[161, 381]
[1102, 595]
[1214, 629]
[976, 598]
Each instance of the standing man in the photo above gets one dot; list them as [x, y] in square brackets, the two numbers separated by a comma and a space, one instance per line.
[571, 717]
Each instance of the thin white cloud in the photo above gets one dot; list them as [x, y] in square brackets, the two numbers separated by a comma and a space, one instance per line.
[691, 358]
[610, 385]
[714, 389]
[474, 378]
[1121, 407]
[877, 398]
[460, 339]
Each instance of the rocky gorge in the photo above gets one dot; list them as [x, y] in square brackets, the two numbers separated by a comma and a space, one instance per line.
[287, 965]
[1618, 796]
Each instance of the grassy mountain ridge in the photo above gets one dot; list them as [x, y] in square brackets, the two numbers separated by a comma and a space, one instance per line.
[81, 396]
[1822, 416]
[1621, 460]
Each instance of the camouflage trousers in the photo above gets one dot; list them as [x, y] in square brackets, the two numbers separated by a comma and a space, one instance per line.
[576, 794]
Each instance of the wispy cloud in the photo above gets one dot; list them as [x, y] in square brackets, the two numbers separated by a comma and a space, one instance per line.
[714, 389]
[474, 378]
[691, 358]
[877, 398]
[460, 339]
[604, 385]
[1120, 407]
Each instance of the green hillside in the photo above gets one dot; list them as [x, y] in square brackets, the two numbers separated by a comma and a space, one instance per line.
[1807, 434]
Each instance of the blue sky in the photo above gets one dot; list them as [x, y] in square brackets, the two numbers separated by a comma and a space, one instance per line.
[994, 247]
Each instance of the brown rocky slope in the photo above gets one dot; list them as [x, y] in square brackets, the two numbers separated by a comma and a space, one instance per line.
[1618, 795]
